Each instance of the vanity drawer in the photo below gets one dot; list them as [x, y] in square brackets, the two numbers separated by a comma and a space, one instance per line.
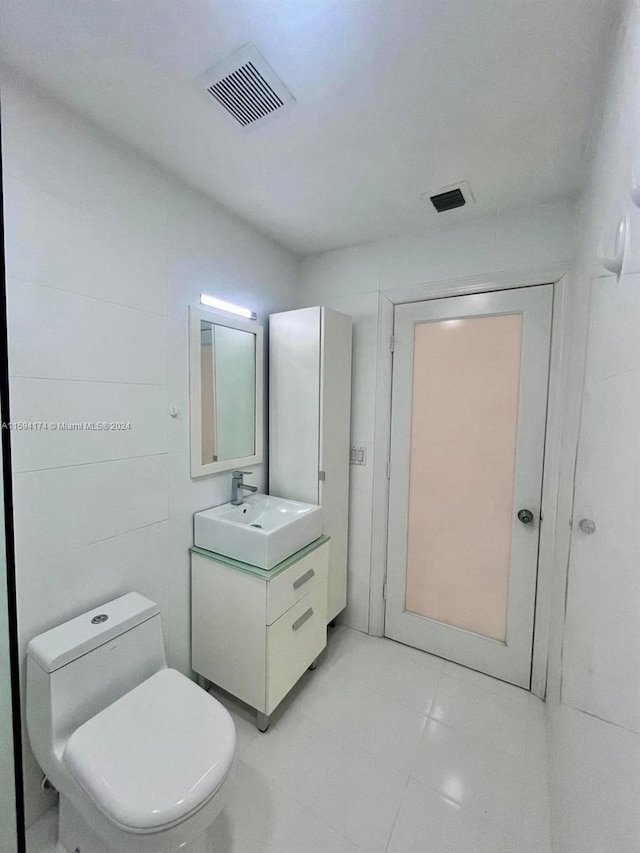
[285, 589]
[294, 642]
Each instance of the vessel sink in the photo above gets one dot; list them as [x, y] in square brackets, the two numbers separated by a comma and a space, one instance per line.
[263, 530]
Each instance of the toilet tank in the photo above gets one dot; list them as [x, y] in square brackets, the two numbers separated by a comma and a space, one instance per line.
[82, 666]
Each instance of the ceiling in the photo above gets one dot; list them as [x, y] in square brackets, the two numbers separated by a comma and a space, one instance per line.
[394, 98]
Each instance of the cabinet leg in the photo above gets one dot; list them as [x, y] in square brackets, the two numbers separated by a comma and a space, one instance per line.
[314, 664]
[263, 721]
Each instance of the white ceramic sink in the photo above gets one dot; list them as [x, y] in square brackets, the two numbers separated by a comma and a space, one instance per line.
[262, 531]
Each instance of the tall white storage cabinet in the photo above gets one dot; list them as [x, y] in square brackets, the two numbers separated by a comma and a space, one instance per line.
[310, 422]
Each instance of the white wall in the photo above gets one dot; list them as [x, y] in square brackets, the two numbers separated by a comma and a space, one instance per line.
[594, 667]
[350, 280]
[104, 254]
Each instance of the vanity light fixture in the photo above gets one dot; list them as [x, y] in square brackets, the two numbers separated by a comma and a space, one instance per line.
[228, 307]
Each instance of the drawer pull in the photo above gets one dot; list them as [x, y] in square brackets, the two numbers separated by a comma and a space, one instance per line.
[302, 619]
[303, 579]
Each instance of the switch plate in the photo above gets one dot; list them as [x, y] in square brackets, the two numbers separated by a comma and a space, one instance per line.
[358, 455]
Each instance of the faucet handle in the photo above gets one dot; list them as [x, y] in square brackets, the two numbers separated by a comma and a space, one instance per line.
[239, 474]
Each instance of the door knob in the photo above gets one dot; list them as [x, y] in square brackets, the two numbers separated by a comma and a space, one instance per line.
[587, 525]
[525, 516]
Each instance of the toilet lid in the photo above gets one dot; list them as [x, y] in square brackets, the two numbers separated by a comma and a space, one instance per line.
[155, 755]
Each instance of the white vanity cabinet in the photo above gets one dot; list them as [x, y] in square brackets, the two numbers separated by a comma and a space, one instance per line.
[309, 424]
[255, 632]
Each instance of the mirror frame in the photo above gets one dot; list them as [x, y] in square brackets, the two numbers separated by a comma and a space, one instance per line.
[196, 315]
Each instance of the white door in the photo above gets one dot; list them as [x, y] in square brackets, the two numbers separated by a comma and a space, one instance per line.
[470, 377]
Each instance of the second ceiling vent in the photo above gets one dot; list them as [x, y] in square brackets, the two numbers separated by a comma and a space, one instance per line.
[246, 87]
[456, 195]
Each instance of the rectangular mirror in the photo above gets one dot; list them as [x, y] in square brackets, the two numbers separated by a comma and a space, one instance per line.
[226, 382]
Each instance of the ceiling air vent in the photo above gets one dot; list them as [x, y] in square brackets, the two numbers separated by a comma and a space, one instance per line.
[246, 87]
[451, 197]
[448, 200]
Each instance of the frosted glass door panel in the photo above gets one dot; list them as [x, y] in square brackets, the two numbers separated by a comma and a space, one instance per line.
[466, 380]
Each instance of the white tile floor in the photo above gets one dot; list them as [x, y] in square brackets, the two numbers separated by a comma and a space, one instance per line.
[385, 748]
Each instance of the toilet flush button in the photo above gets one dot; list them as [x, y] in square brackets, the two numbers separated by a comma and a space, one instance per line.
[101, 617]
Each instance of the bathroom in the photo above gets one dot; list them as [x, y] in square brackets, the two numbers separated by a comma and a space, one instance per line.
[132, 198]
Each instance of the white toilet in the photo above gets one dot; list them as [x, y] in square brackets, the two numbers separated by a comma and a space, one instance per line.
[138, 753]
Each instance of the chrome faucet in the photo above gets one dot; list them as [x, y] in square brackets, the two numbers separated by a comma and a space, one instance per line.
[237, 486]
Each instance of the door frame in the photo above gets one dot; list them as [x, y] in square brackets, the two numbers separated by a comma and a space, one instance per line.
[554, 274]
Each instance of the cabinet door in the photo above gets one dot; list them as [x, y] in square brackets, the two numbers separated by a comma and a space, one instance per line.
[335, 428]
[228, 633]
[294, 404]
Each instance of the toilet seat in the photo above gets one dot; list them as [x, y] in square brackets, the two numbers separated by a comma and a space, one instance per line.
[155, 756]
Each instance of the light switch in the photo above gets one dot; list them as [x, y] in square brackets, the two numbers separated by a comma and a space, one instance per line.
[358, 456]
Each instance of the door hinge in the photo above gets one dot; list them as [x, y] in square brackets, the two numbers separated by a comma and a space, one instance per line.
[392, 343]
[322, 475]
[388, 470]
[384, 591]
